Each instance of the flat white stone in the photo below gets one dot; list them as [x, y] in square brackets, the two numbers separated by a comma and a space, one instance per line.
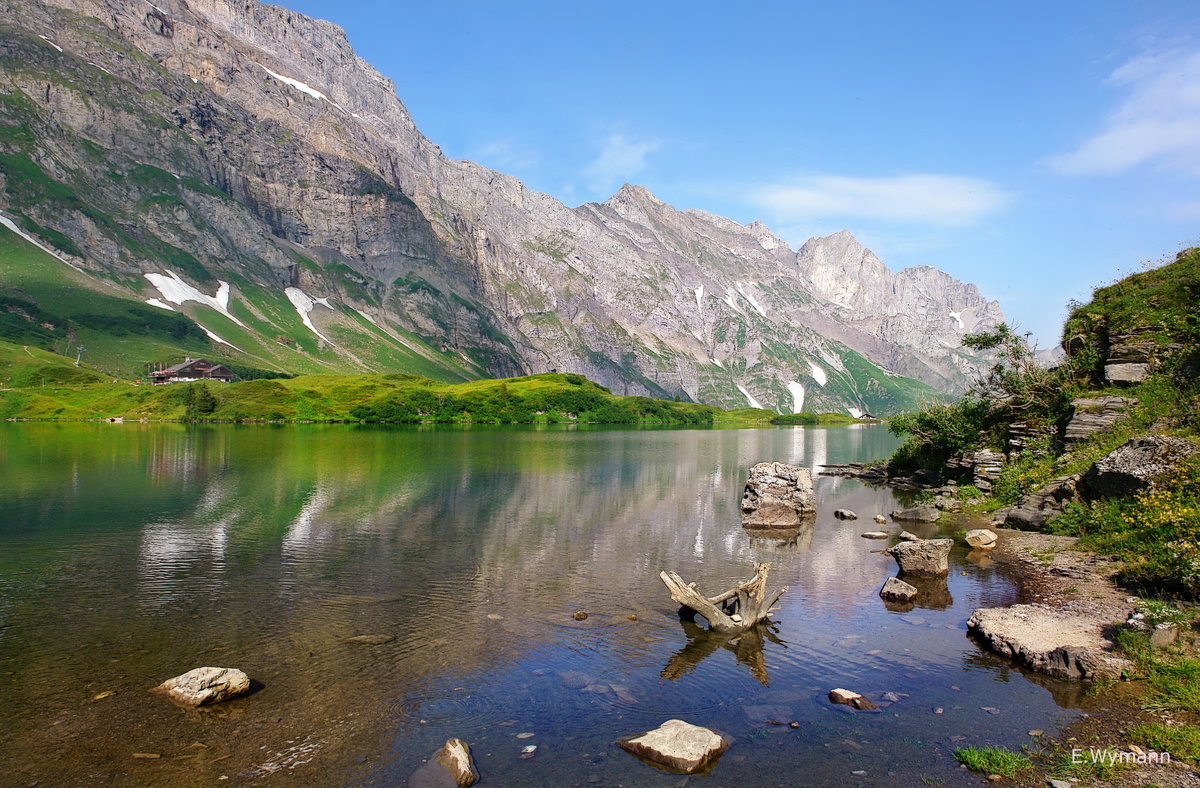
[676, 745]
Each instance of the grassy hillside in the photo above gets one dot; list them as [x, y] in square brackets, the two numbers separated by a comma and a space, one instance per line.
[47, 304]
[42, 385]
[1164, 300]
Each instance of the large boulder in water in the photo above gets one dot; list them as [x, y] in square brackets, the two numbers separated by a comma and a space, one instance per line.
[203, 686]
[918, 514]
[896, 590]
[926, 557]
[778, 495]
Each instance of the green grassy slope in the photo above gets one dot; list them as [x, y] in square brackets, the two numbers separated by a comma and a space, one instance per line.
[47, 304]
[41, 385]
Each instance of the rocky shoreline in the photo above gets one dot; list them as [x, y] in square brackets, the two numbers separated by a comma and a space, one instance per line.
[1063, 626]
[1062, 581]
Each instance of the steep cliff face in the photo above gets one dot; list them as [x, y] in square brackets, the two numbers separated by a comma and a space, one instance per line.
[922, 312]
[247, 144]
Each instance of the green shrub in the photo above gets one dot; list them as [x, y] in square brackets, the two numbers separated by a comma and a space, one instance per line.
[940, 430]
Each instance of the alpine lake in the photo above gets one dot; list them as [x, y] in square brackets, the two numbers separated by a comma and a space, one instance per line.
[131, 553]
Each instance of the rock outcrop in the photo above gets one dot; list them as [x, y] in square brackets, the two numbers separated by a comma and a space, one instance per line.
[1130, 359]
[1129, 469]
[981, 467]
[926, 557]
[1057, 641]
[778, 495]
[677, 746]
[1093, 414]
[204, 686]
[1034, 510]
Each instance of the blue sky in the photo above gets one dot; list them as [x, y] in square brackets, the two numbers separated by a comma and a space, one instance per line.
[1035, 149]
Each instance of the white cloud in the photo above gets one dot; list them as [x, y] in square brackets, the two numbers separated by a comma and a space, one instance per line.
[1157, 122]
[619, 160]
[947, 200]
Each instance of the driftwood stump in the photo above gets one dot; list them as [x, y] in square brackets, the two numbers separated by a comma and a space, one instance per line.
[734, 611]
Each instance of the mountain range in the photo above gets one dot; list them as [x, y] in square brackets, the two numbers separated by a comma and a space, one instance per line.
[230, 179]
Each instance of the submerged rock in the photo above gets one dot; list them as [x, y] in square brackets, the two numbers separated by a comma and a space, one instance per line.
[875, 535]
[852, 699]
[879, 518]
[677, 746]
[203, 686]
[1057, 641]
[778, 495]
[844, 514]
[455, 757]
[926, 557]
[910, 537]
[371, 640]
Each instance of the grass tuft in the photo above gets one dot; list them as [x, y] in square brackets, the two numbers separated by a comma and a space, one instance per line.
[993, 760]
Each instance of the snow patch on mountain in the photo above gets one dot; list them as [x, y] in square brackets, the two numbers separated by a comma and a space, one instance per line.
[304, 304]
[753, 301]
[750, 397]
[156, 302]
[302, 87]
[731, 299]
[216, 338]
[818, 374]
[797, 392]
[4, 220]
[177, 291]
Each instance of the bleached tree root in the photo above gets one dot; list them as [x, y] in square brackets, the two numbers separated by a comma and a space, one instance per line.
[734, 611]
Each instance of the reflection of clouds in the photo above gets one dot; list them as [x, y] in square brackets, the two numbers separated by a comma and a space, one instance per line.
[299, 538]
[177, 559]
[187, 555]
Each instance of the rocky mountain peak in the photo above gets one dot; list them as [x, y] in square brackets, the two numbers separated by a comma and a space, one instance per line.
[291, 163]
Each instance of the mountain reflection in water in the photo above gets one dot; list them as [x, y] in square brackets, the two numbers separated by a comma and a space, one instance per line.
[132, 553]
